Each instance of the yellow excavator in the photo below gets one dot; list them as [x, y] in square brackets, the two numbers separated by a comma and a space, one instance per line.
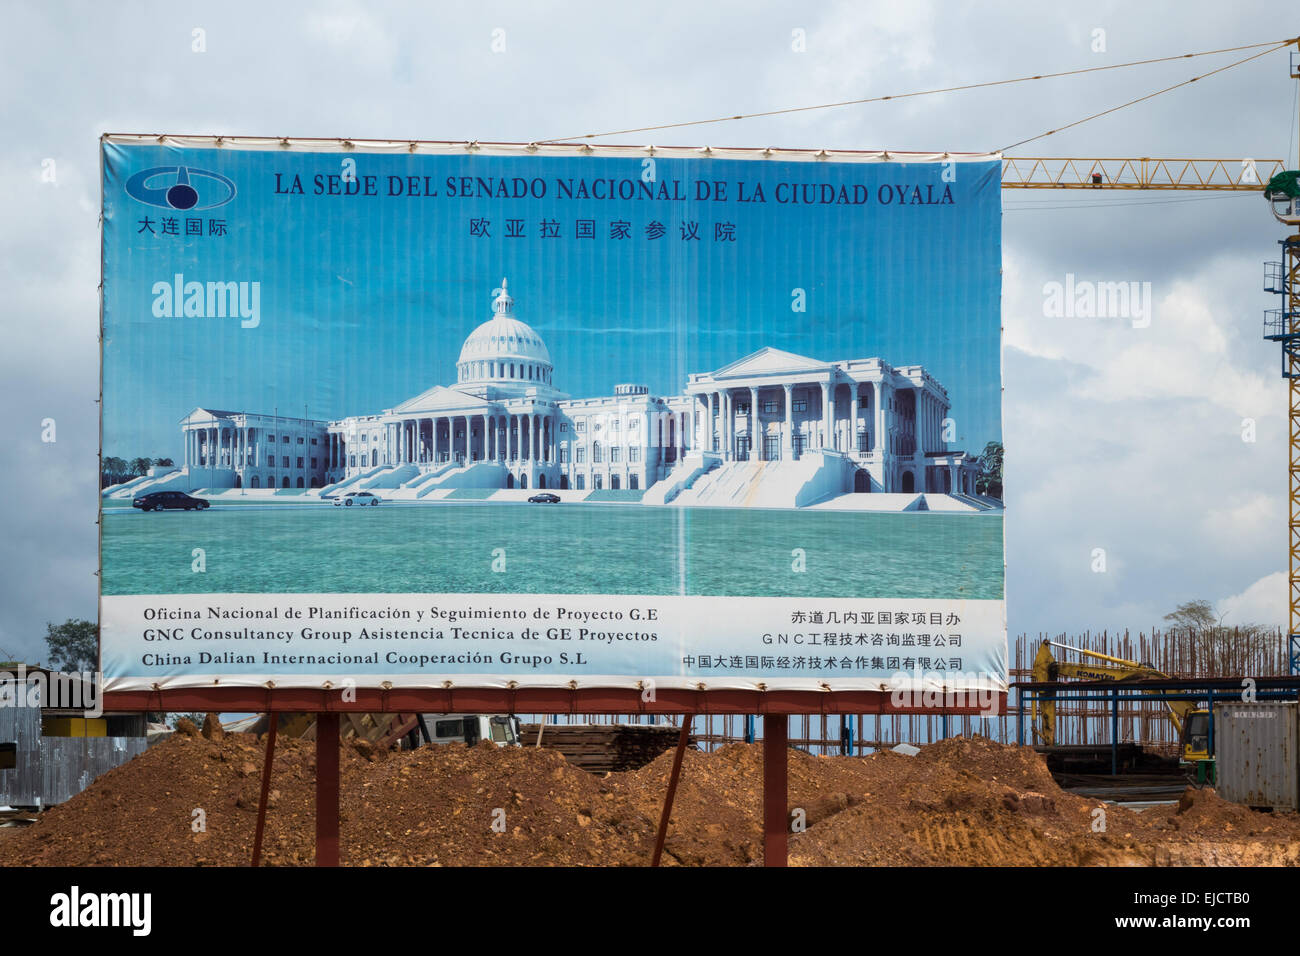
[1191, 721]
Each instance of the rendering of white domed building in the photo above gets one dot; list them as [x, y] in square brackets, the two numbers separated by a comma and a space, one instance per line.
[505, 425]
[772, 429]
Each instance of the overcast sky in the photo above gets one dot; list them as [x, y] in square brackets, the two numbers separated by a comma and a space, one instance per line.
[1120, 438]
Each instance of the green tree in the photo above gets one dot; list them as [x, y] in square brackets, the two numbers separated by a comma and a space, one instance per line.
[989, 481]
[164, 462]
[141, 466]
[73, 645]
[1193, 616]
[113, 470]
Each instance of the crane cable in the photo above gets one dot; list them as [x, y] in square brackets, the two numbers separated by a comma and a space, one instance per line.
[1272, 44]
[1167, 89]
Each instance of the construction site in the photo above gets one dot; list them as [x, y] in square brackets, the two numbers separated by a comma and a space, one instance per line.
[965, 801]
[1110, 778]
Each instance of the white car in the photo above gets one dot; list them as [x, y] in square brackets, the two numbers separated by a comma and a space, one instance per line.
[357, 498]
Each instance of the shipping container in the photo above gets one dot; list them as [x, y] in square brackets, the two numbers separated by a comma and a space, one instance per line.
[1256, 749]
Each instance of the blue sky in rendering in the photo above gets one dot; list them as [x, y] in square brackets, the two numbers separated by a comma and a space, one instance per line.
[365, 300]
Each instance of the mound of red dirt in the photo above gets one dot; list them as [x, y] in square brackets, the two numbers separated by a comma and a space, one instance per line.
[193, 801]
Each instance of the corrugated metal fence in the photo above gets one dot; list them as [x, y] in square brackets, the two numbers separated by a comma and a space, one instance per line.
[51, 770]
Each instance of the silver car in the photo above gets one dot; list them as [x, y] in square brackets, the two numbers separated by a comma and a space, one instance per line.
[357, 498]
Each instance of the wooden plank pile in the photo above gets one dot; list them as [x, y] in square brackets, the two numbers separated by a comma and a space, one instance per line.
[605, 748]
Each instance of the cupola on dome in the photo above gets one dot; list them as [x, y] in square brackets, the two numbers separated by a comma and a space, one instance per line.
[503, 349]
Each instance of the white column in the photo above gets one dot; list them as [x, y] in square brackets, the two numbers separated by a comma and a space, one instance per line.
[878, 397]
[722, 424]
[724, 402]
[828, 440]
[714, 422]
[731, 425]
[787, 438]
[853, 418]
[755, 427]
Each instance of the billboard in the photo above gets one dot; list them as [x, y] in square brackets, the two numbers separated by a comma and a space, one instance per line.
[472, 415]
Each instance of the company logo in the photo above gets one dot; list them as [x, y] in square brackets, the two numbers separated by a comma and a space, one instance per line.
[180, 187]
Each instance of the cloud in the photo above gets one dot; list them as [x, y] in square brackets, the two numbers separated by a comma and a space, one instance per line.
[1264, 602]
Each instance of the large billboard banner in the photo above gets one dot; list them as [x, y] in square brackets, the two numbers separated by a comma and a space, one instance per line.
[472, 415]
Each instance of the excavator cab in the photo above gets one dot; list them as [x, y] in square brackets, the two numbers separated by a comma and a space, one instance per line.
[1196, 736]
[1194, 745]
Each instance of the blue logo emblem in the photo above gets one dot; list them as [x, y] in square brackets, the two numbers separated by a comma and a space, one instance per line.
[180, 187]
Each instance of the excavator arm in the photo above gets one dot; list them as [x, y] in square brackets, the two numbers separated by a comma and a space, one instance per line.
[1047, 668]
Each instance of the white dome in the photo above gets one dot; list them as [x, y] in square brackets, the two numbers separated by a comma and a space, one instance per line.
[503, 349]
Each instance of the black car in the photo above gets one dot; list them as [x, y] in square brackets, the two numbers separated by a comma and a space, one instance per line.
[169, 500]
[545, 498]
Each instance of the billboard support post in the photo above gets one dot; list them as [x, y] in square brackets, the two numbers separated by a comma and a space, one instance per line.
[273, 724]
[682, 739]
[776, 811]
[327, 789]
